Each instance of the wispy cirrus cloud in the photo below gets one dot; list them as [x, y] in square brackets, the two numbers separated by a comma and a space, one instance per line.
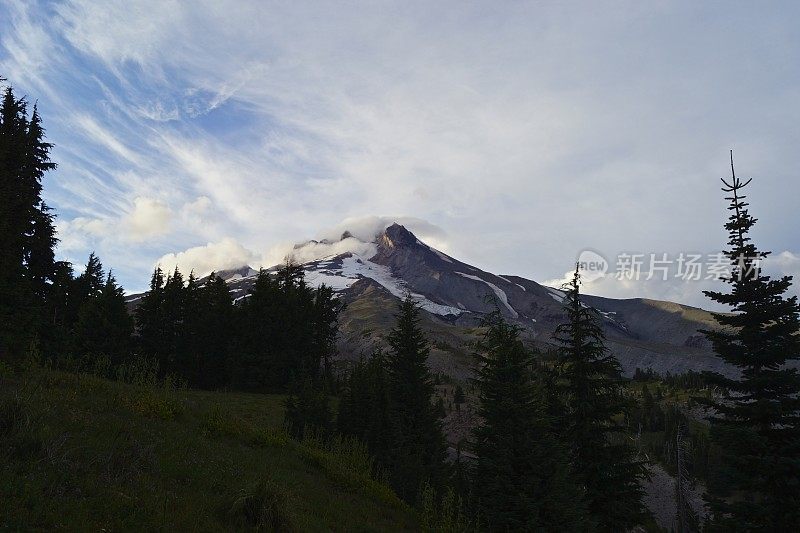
[528, 131]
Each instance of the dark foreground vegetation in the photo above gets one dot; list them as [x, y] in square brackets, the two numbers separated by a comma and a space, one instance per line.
[78, 451]
[104, 423]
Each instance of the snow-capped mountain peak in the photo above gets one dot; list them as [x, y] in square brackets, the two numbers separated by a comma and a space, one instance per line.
[362, 261]
[370, 270]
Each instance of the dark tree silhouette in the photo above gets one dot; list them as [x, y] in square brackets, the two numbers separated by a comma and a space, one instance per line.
[603, 460]
[418, 448]
[522, 479]
[364, 405]
[104, 326]
[27, 236]
[757, 422]
[150, 318]
[285, 331]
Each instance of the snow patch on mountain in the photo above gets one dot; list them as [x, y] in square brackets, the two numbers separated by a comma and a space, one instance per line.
[556, 294]
[238, 299]
[501, 295]
[441, 255]
[341, 272]
[509, 281]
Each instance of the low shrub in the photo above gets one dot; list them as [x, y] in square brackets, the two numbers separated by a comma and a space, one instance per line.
[20, 432]
[5, 370]
[444, 514]
[14, 416]
[219, 422]
[263, 507]
[154, 402]
[346, 460]
[138, 370]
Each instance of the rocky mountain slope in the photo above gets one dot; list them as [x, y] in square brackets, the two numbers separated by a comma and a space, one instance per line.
[454, 296]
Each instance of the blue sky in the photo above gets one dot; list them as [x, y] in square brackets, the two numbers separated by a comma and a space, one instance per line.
[516, 134]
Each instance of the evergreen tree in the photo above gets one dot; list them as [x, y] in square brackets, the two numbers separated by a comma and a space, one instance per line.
[522, 477]
[173, 314]
[296, 357]
[104, 326]
[189, 350]
[215, 317]
[40, 238]
[418, 449]
[757, 421]
[61, 312]
[364, 405]
[458, 397]
[602, 458]
[258, 323]
[27, 236]
[40, 302]
[285, 331]
[150, 317]
[327, 307]
[89, 284]
[207, 332]
[82, 310]
[40, 258]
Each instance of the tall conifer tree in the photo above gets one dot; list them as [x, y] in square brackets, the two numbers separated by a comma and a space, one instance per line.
[419, 449]
[522, 479]
[104, 326]
[150, 317]
[285, 330]
[757, 421]
[61, 311]
[27, 236]
[364, 405]
[206, 332]
[173, 315]
[602, 459]
[215, 329]
[90, 282]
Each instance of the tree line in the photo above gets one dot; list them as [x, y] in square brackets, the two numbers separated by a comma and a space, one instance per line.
[548, 455]
[550, 452]
[282, 333]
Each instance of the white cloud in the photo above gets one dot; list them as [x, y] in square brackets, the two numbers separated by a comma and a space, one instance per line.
[79, 233]
[225, 254]
[784, 263]
[194, 212]
[362, 230]
[105, 138]
[118, 31]
[158, 111]
[313, 251]
[149, 218]
[365, 228]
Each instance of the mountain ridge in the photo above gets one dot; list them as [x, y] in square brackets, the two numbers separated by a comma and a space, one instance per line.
[454, 296]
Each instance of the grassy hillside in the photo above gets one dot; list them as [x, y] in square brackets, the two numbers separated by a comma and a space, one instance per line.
[81, 452]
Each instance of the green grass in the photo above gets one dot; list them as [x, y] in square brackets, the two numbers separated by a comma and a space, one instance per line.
[80, 452]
